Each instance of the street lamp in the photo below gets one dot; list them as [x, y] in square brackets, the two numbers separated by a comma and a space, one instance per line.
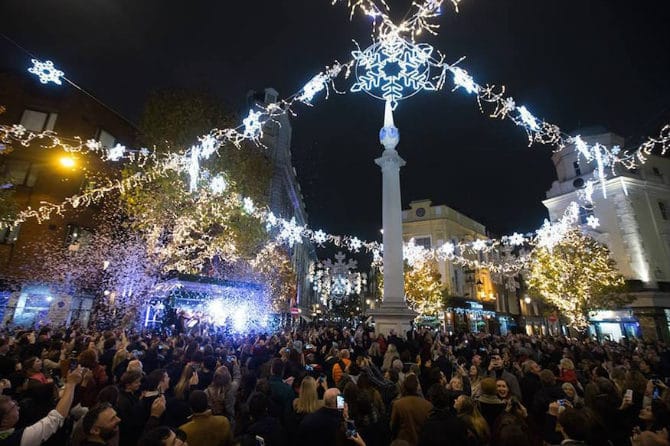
[527, 300]
[67, 161]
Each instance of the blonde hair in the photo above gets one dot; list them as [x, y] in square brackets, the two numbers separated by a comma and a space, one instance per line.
[567, 364]
[182, 386]
[308, 400]
[469, 413]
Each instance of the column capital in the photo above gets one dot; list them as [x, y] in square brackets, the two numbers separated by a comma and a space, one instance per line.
[390, 160]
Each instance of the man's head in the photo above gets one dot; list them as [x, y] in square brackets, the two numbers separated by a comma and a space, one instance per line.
[198, 401]
[531, 366]
[163, 436]
[9, 412]
[130, 381]
[411, 385]
[101, 422]
[496, 361]
[547, 378]
[488, 386]
[135, 364]
[476, 360]
[573, 424]
[344, 354]
[277, 367]
[158, 380]
[330, 398]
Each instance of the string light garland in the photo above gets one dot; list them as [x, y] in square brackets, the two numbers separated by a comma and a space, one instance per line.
[393, 67]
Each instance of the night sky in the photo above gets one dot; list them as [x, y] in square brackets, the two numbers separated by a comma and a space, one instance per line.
[575, 63]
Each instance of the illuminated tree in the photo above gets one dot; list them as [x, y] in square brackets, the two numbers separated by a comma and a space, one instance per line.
[423, 288]
[577, 276]
[424, 291]
[189, 232]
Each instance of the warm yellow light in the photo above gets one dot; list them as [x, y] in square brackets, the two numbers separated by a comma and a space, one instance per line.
[67, 161]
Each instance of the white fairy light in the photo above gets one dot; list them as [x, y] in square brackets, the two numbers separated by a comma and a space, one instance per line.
[46, 71]
[463, 80]
[290, 232]
[208, 145]
[194, 168]
[528, 119]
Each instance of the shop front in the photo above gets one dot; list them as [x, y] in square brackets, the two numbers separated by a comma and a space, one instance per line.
[471, 316]
[614, 325]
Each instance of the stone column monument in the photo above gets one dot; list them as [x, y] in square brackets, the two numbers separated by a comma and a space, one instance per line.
[393, 312]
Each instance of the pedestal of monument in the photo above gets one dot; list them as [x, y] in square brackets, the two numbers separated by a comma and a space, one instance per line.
[393, 316]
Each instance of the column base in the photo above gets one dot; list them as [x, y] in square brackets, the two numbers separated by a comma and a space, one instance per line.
[393, 316]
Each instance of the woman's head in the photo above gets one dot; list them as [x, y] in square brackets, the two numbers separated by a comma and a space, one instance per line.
[502, 389]
[464, 405]
[32, 365]
[88, 358]
[473, 373]
[567, 364]
[308, 400]
[222, 377]
[569, 390]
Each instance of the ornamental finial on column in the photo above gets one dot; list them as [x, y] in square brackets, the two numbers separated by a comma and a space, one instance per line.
[389, 135]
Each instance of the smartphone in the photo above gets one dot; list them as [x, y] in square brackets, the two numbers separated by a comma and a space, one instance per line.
[288, 350]
[231, 358]
[351, 429]
[340, 402]
[629, 394]
[309, 368]
[657, 393]
[73, 364]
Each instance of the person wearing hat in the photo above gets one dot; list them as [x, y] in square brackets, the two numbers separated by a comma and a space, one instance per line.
[206, 429]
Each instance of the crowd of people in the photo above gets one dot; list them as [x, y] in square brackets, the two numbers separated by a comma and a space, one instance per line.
[329, 386]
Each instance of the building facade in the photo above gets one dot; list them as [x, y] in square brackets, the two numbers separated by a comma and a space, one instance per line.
[633, 209]
[285, 197]
[477, 300]
[37, 174]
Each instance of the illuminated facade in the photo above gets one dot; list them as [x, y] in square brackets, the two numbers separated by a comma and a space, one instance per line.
[475, 299]
[634, 224]
[285, 196]
[50, 175]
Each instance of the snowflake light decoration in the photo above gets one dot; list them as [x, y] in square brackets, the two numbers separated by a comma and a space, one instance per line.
[218, 185]
[320, 237]
[116, 152]
[46, 71]
[355, 244]
[393, 69]
[593, 221]
[516, 239]
[248, 205]
[479, 245]
[253, 128]
[335, 281]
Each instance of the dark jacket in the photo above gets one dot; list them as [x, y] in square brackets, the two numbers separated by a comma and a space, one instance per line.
[442, 427]
[322, 427]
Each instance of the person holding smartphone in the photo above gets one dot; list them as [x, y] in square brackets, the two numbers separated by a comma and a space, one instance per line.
[328, 424]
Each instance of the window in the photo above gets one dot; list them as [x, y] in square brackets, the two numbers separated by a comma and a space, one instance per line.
[663, 209]
[37, 121]
[422, 241]
[106, 139]
[578, 171]
[21, 172]
[9, 235]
